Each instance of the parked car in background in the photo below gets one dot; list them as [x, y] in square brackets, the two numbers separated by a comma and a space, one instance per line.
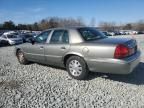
[124, 32]
[128, 32]
[140, 32]
[106, 33]
[10, 39]
[111, 33]
[117, 33]
[26, 37]
[10, 33]
[80, 50]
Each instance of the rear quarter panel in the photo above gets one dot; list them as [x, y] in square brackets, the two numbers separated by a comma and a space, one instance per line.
[94, 54]
[93, 51]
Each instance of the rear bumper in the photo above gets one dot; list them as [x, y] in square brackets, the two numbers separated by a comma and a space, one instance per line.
[115, 66]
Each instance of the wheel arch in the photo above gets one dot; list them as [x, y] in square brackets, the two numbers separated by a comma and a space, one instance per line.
[17, 49]
[67, 56]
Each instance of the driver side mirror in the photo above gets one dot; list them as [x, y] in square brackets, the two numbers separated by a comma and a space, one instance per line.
[31, 40]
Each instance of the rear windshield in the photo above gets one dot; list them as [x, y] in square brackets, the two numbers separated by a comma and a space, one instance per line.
[91, 34]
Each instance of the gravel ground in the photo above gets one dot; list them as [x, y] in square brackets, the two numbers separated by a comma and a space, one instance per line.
[39, 86]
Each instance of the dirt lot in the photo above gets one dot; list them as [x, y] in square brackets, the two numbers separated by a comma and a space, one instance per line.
[39, 86]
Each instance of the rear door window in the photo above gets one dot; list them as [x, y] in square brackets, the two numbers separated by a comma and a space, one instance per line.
[60, 36]
[65, 37]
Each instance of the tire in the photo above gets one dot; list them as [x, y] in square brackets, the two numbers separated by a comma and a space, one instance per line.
[77, 68]
[21, 58]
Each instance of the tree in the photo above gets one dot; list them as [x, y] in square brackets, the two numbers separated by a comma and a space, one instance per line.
[29, 27]
[53, 22]
[9, 25]
[21, 27]
[43, 24]
[128, 26]
[35, 26]
[139, 25]
[107, 26]
[1, 26]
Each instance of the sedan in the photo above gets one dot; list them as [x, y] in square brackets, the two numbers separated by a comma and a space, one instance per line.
[81, 50]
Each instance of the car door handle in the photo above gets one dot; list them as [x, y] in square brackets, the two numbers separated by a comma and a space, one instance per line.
[63, 47]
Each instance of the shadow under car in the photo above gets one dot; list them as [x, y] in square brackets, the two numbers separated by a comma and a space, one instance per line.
[136, 77]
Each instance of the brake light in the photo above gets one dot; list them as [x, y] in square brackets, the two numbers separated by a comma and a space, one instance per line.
[121, 51]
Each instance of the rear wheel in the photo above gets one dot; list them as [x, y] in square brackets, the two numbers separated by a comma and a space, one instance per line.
[77, 68]
[21, 58]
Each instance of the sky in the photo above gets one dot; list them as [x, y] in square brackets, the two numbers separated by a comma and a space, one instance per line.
[30, 11]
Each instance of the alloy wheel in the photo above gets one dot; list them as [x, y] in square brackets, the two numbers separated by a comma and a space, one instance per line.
[75, 68]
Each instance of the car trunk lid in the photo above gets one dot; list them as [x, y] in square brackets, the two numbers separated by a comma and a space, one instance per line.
[127, 42]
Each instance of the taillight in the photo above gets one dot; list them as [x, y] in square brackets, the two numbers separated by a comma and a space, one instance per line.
[121, 51]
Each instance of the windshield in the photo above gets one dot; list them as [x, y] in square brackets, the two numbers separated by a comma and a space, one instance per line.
[91, 34]
[11, 36]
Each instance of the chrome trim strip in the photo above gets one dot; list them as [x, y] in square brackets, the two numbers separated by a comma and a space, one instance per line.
[45, 55]
[35, 54]
[53, 56]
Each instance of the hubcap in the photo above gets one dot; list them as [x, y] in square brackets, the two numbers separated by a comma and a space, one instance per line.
[75, 68]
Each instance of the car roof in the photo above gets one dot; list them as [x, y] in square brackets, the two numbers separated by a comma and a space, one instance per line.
[68, 28]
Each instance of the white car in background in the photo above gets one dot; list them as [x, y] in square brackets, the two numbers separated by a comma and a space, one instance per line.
[134, 32]
[10, 33]
[111, 33]
[10, 39]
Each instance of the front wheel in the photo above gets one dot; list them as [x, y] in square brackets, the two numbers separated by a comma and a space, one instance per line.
[77, 68]
[21, 58]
